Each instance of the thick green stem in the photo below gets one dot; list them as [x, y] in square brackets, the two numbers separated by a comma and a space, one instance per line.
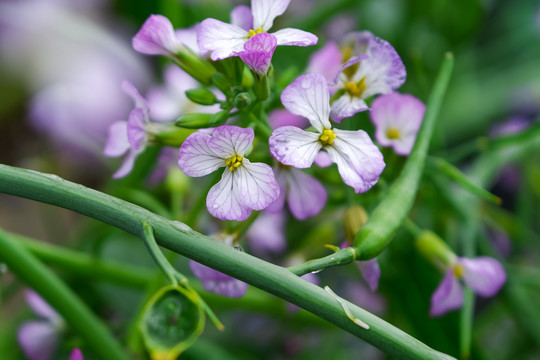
[373, 238]
[31, 271]
[180, 238]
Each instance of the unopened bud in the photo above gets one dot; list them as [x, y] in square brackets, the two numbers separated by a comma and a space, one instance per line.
[354, 218]
[219, 118]
[194, 120]
[201, 96]
[243, 100]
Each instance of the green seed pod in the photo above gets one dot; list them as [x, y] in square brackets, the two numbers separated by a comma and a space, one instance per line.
[434, 249]
[171, 322]
[201, 96]
[219, 118]
[194, 120]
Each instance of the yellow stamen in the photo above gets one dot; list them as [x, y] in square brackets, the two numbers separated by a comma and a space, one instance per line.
[346, 54]
[459, 271]
[252, 32]
[327, 137]
[356, 88]
[233, 162]
[392, 133]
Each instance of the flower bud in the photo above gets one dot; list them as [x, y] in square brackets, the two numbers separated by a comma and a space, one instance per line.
[354, 218]
[434, 249]
[242, 100]
[194, 120]
[171, 322]
[201, 96]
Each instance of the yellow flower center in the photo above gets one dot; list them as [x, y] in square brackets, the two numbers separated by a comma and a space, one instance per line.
[459, 271]
[252, 32]
[392, 133]
[327, 137]
[346, 54]
[356, 88]
[234, 162]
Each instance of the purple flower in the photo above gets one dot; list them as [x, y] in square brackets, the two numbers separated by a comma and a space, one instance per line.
[129, 137]
[326, 61]
[226, 40]
[76, 354]
[258, 51]
[371, 272]
[359, 294]
[397, 119]
[359, 161]
[39, 338]
[373, 67]
[244, 186]
[484, 275]
[267, 234]
[305, 195]
[218, 282]
[157, 37]
[281, 117]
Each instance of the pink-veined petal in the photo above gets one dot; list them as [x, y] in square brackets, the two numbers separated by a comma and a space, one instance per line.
[222, 39]
[346, 106]
[306, 195]
[484, 275]
[265, 11]
[359, 161]
[136, 128]
[218, 282]
[241, 16]
[258, 52]
[41, 307]
[76, 354]
[256, 184]
[197, 158]
[293, 146]
[38, 339]
[295, 37]
[400, 112]
[448, 295]
[127, 163]
[308, 96]
[224, 201]
[228, 140]
[117, 141]
[371, 272]
[156, 37]
[278, 204]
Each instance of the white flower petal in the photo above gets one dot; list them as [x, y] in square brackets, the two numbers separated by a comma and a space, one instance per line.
[295, 37]
[117, 141]
[308, 96]
[224, 201]
[230, 140]
[265, 11]
[359, 161]
[346, 106]
[256, 184]
[221, 38]
[197, 157]
[293, 146]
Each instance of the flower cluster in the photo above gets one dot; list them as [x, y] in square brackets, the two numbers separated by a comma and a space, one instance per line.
[361, 72]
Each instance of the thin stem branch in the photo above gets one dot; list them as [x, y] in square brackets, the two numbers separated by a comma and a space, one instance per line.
[341, 257]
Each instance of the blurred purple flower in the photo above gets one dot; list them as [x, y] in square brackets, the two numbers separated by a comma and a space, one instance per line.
[226, 40]
[484, 275]
[512, 126]
[359, 161]
[267, 234]
[258, 51]
[360, 295]
[371, 272]
[397, 119]
[76, 354]
[305, 195]
[281, 117]
[244, 186]
[39, 338]
[372, 66]
[326, 61]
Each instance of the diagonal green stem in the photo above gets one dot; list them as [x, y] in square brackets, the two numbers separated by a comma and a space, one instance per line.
[180, 238]
[373, 238]
[31, 271]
